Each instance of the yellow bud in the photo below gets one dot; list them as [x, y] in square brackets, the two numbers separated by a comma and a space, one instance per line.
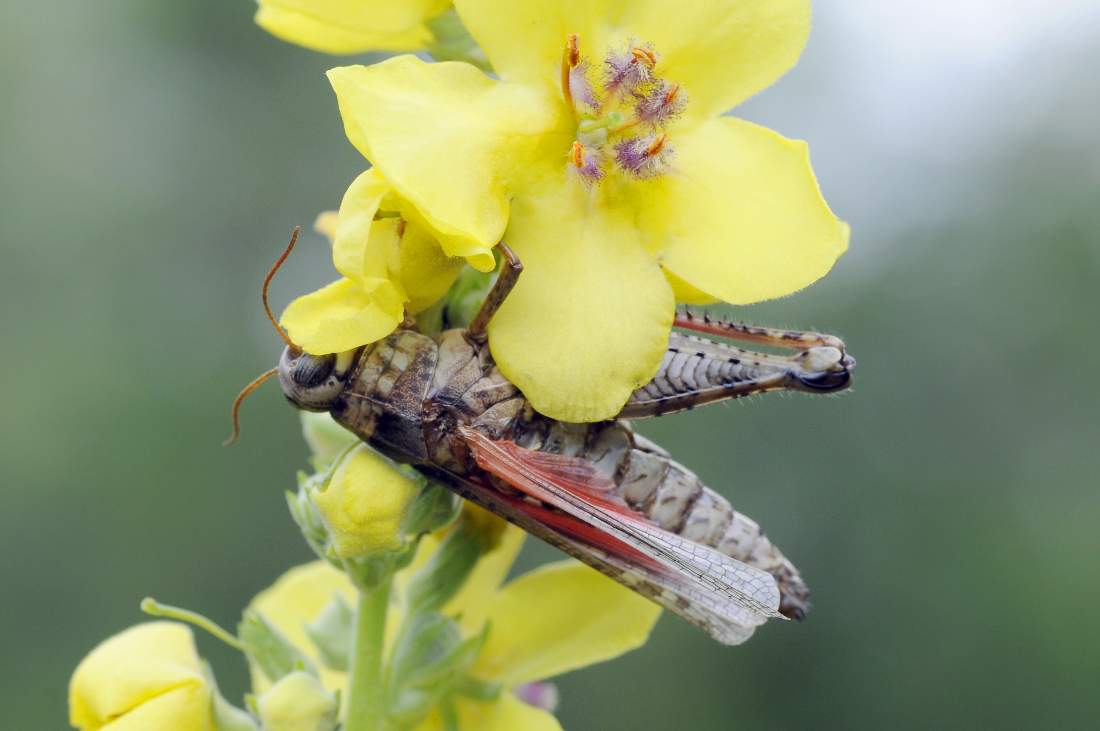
[147, 677]
[298, 702]
[364, 503]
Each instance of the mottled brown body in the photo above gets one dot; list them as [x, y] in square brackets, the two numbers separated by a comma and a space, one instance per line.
[408, 394]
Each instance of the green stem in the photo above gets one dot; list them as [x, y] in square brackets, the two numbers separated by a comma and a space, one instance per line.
[366, 693]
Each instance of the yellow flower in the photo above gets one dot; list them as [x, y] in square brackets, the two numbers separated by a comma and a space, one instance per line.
[351, 26]
[298, 702]
[364, 504]
[601, 158]
[558, 618]
[147, 677]
[390, 265]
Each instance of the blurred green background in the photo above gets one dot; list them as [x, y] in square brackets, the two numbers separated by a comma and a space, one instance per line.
[155, 155]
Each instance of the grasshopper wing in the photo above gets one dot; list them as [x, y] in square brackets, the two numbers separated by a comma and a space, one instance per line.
[725, 597]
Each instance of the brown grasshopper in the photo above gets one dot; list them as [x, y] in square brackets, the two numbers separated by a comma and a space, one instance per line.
[599, 492]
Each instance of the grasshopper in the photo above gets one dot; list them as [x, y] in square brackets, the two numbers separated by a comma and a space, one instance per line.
[598, 491]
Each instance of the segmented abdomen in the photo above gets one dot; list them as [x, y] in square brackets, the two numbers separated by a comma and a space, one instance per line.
[652, 483]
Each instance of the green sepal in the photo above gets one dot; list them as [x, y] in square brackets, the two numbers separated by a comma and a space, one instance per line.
[331, 633]
[369, 572]
[434, 507]
[305, 515]
[424, 649]
[465, 296]
[429, 657]
[446, 570]
[485, 691]
[227, 717]
[269, 649]
[448, 714]
[453, 42]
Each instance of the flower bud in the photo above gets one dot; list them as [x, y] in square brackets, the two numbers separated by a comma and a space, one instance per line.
[298, 702]
[149, 676]
[364, 504]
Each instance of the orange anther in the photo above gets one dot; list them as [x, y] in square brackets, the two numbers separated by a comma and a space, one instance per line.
[656, 145]
[577, 154]
[671, 94]
[644, 56]
[572, 50]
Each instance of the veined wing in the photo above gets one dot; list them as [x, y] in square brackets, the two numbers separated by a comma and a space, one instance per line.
[722, 595]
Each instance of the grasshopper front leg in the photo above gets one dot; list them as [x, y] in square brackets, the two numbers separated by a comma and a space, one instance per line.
[510, 269]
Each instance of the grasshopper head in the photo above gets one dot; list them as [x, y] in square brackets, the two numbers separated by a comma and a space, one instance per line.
[314, 382]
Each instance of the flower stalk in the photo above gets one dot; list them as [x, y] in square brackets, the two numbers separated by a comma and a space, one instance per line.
[366, 692]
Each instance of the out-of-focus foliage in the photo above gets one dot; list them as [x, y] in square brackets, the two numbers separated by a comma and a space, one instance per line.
[156, 156]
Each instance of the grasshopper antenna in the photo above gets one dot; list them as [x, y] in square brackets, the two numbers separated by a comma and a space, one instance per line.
[234, 412]
[267, 283]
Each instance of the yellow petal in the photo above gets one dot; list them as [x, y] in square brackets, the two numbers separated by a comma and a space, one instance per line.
[425, 271]
[720, 52]
[296, 599]
[352, 253]
[344, 315]
[742, 218]
[325, 224]
[589, 319]
[405, 252]
[148, 676]
[350, 26]
[686, 294]
[506, 714]
[364, 504]
[448, 139]
[558, 618]
[474, 600]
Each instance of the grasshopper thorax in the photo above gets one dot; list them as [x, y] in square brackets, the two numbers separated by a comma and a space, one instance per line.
[314, 382]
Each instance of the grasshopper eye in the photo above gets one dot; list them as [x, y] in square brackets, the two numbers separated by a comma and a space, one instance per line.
[310, 371]
[312, 382]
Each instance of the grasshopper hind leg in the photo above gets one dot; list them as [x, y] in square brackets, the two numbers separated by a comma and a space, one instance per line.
[700, 370]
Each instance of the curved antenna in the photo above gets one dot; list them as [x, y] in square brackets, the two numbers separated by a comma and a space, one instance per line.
[267, 283]
[235, 412]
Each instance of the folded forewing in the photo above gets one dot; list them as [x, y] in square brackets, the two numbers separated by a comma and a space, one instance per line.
[700, 580]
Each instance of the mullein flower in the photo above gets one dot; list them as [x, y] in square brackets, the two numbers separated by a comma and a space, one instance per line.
[147, 677]
[351, 26]
[558, 618]
[602, 159]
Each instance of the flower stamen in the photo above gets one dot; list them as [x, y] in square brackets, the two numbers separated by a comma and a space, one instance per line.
[587, 163]
[577, 155]
[656, 145]
[629, 70]
[569, 61]
[663, 102]
[644, 157]
[644, 56]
